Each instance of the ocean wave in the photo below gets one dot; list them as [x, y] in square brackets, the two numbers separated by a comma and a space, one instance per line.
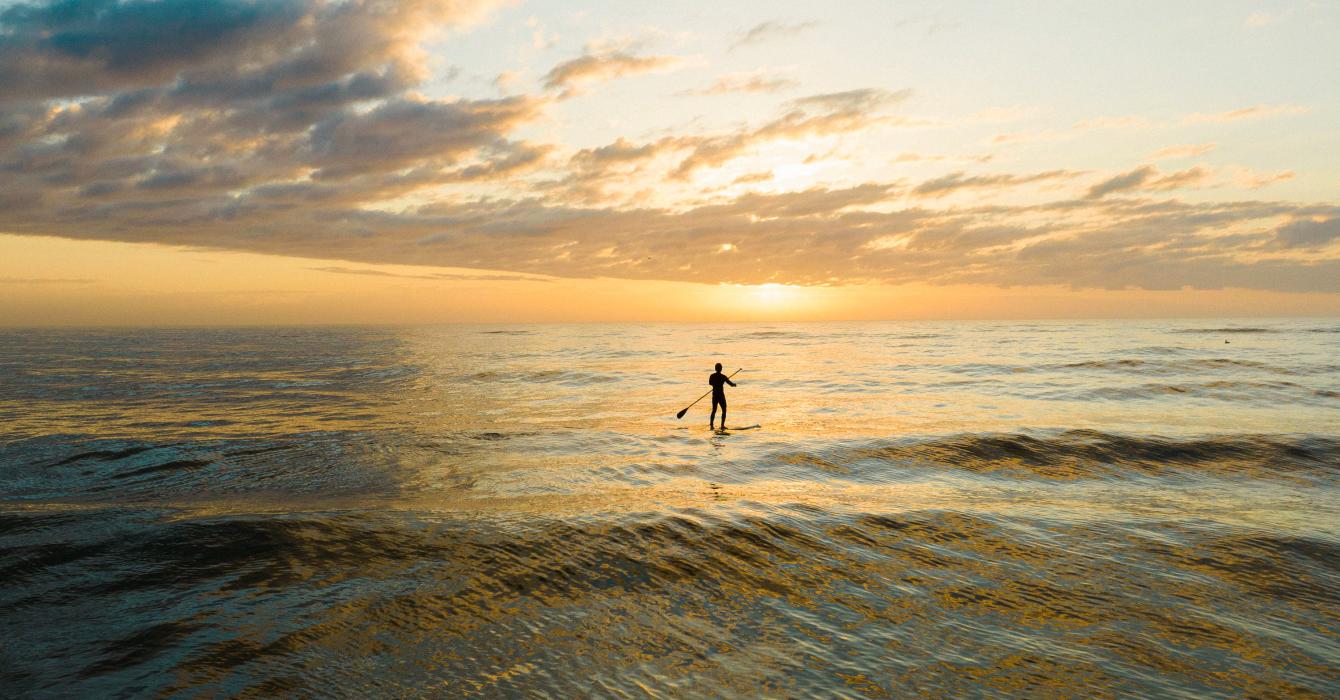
[1087, 454]
[548, 376]
[784, 601]
[1221, 390]
[978, 369]
[913, 336]
[1230, 329]
[1160, 350]
[1136, 366]
[1205, 363]
[331, 464]
[771, 334]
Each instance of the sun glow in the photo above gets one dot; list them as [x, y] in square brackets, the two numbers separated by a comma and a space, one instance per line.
[774, 294]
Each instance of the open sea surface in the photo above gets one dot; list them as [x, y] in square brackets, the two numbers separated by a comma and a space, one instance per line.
[1068, 509]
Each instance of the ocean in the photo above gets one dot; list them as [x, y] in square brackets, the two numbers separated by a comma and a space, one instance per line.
[984, 509]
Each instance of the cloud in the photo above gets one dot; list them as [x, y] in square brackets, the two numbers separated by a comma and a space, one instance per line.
[1252, 180]
[1307, 233]
[1148, 177]
[305, 128]
[511, 158]
[953, 182]
[605, 66]
[620, 151]
[1182, 178]
[1233, 115]
[770, 30]
[1257, 20]
[1184, 151]
[746, 82]
[66, 49]
[45, 280]
[407, 131]
[1125, 181]
[751, 178]
[97, 47]
[435, 276]
[1124, 122]
[859, 100]
[940, 158]
[590, 170]
[821, 235]
[1103, 123]
[815, 115]
[256, 108]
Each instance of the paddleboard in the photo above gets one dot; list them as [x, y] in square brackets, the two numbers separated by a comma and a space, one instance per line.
[735, 428]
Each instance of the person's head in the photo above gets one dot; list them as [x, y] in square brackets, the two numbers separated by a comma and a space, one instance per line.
[718, 366]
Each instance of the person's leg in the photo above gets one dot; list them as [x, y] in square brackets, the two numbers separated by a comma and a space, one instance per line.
[712, 422]
[723, 413]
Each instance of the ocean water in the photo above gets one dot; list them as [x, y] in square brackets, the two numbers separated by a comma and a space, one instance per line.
[1068, 509]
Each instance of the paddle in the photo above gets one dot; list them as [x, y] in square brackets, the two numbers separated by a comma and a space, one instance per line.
[700, 398]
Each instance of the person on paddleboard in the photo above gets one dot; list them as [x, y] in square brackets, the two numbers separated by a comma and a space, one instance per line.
[718, 382]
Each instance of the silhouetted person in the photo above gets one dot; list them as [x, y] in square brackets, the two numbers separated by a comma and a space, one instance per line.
[718, 382]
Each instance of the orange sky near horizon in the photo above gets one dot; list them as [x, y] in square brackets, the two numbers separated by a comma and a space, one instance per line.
[48, 281]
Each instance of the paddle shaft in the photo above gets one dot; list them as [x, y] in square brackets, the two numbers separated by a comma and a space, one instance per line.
[700, 398]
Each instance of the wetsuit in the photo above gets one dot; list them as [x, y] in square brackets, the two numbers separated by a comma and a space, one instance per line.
[719, 382]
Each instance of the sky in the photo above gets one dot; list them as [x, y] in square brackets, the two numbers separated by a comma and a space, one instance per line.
[303, 161]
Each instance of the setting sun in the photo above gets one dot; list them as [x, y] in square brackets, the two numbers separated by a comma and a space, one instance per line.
[774, 294]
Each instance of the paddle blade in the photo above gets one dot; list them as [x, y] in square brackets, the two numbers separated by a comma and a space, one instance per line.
[681, 413]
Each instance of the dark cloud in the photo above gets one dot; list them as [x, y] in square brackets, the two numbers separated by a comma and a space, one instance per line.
[1148, 177]
[80, 47]
[410, 131]
[1125, 181]
[1307, 233]
[510, 159]
[208, 110]
[74, 48]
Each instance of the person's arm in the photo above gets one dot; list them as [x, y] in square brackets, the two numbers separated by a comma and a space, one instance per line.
[728, 381]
